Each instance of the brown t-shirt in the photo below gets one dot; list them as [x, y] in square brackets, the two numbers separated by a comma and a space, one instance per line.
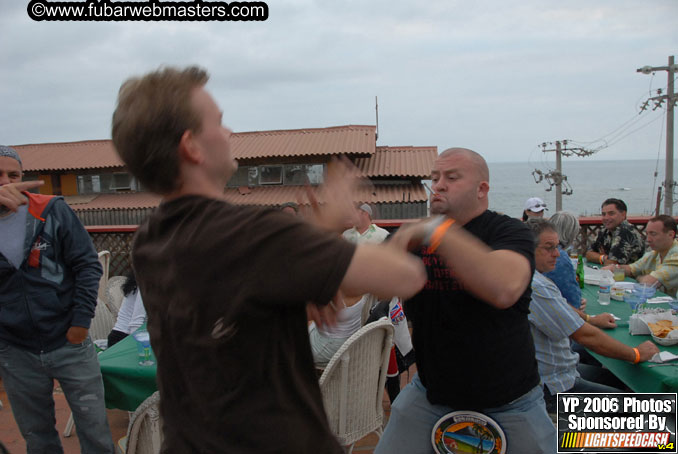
[225, 288]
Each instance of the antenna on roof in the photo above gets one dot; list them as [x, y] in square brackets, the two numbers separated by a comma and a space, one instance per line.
[376, 108]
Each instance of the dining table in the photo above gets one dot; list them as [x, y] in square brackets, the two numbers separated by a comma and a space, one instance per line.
[646, 377]
[126, 383]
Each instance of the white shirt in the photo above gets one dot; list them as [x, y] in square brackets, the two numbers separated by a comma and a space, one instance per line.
[132, 313]
[374, 235]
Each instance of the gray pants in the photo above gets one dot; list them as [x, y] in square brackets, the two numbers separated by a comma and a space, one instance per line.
[527, 426]
[29, 378]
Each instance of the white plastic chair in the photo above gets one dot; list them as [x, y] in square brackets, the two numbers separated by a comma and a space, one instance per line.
[352, 384]
[114, 296]
[144, 435]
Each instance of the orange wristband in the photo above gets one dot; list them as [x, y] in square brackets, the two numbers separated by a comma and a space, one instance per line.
[637, 360]
[602, 258]
[438, 234]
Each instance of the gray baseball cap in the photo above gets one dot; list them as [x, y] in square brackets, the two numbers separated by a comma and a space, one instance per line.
[366, 208]
[10, 153]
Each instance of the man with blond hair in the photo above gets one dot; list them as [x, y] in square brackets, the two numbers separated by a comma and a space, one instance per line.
[226, 287]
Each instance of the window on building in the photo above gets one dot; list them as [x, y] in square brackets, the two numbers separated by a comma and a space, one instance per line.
[89, 184]
[121, 181]
[239, 178]
[107, 183]
[288, 174]
[300, 174]
[253, 176]
[315, 173]
[271, 174]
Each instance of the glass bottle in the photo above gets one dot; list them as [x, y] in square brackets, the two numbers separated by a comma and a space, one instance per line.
[580, 271]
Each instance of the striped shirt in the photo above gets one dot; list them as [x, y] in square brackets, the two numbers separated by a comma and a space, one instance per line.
[552, 321]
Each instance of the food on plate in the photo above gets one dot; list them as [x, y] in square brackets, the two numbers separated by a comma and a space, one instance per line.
[662, 328]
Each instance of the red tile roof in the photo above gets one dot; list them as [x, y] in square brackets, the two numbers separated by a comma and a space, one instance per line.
[261, 196]
[277, 195]
[399, 162]
[97, 154]
[89, 154]
[117, 201]
[351, 139]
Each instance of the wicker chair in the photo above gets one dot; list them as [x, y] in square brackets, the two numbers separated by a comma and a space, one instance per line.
[105, 260]
[352, 384]
[144, 435]
[113, 295]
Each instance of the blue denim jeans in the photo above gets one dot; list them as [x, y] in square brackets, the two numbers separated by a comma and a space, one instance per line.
[29, 378]
[525, 423]
[591, 380]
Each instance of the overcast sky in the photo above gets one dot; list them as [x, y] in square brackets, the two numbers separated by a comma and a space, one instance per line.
[496, 76]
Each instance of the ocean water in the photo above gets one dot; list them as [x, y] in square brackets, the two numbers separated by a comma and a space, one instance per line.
[633, 181]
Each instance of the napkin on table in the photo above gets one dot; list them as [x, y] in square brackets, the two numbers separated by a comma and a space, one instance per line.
[659, 299]
[663, 357]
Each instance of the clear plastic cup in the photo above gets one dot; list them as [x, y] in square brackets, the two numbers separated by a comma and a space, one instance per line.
[618, 273]
[143, 347]
[633, 300]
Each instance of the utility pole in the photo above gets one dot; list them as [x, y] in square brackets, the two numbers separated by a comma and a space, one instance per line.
[556, 178]
[670, 98]
[559, 172]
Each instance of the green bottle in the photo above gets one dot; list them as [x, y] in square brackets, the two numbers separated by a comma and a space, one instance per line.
[580, 271]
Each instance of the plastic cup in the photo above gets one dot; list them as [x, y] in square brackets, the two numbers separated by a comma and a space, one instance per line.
[143, 347]
[643, 291]
[618, 274]
[633, 300]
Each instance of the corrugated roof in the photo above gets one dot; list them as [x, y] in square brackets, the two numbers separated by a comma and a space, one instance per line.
[98, 154]
[399, 162]
[277, 195]
[117, 201]
[261, 196]
[88, 154]
[351, 139]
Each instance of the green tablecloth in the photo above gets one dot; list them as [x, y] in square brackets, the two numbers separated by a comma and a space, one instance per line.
[126, 383]
[638, 377]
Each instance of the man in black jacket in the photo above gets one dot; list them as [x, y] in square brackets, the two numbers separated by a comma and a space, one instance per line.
[49, 276]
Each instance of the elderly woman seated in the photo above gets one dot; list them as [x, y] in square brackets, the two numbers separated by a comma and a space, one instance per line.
[564, 276]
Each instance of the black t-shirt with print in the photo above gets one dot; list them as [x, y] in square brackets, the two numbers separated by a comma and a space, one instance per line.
[471, 355]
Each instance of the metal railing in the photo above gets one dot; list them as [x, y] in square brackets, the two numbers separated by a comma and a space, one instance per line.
[118, 238]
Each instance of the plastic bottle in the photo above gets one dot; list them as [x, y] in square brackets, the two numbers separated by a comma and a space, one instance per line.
[606, 281]
[580, 271]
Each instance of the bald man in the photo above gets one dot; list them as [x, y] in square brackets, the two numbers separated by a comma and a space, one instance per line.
[470, 327]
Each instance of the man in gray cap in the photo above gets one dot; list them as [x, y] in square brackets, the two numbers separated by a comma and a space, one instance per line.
[49, 276]
[364, 231]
